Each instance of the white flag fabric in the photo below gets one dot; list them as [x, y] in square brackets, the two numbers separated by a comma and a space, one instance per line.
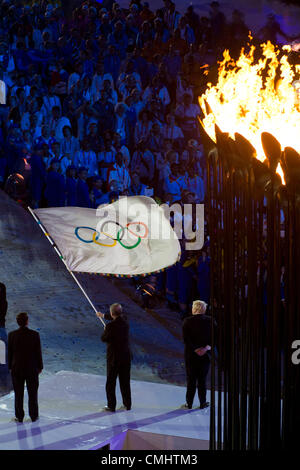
[131, 236]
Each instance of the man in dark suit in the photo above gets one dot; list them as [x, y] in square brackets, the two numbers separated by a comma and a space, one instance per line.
[197, 338]
[116, 335]
[26, 363]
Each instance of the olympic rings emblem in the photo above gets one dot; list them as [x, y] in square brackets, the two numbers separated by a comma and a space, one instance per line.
[119, 236]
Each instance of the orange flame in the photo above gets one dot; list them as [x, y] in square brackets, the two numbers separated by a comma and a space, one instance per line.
[255, 96]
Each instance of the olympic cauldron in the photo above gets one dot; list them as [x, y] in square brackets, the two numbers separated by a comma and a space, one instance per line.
[253, 213]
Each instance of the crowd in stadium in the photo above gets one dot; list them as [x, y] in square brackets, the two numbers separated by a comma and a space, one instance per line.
[104, 103]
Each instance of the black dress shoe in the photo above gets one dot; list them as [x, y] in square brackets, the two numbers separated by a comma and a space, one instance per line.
[186, 407]
[17, 420]
[204, 405]
[107, 408]
[34, 419]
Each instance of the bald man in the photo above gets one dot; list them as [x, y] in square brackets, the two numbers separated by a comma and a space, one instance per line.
[116, 335]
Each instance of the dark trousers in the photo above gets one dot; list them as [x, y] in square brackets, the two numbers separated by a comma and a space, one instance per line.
[115, 370]
[196, 372]
[32, 384]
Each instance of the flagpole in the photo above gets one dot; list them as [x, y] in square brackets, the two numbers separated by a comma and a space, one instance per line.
[63, 260]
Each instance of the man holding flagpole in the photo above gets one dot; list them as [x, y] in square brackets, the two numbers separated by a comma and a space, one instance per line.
[129, 237]
[116, 335]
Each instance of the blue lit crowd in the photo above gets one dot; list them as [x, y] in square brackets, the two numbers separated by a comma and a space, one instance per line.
[103, 102]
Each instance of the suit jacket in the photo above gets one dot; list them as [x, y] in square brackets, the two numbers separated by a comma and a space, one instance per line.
[196, 333]
[24, 351]
[116, 335]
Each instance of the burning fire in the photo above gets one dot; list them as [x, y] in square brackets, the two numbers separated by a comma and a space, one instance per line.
[255, 96]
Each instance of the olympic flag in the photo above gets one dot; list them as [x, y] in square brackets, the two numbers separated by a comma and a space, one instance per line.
[130, 237]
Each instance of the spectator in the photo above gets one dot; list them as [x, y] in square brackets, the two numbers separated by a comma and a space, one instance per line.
[118, 146]
[59, 80]
[21, 100]
[161, 30]
[86, 88]
[127, 85]
[186, 114]
[205, 36]
[172, 185]
[177, 42]
[87, 64]
[69, 144]
[157, 91]
[271, 29]
[156, 139]
[118, 38]
[135, 9]
[57, 123]
[38, 175]
[71, 186]
[146, 14]
[97, 81]
[122, 123]
[97, 196]
[131, 31]
[196, 157]
[218, 23]
[136, 188]
[195, 184]
[103, 110]
[143, 126]
[75, 76]
[140, 65]
[27, 140]
[111, 92]
[49, 101]
[193, 21]
[105, 159]
[186, 31]
[85, 157]
[239, 31]
[112, 62]
[203, 276]
[45, 137]
[119, 173]
[172, 62]
[145, 35]
[55, 185]
[171, 131]
[117, 14]
[47, 156]
[137, 103]
[55, 150]
[171, 17]
[64, 48]
[182, 88]
[94, 138]
[143, 160]
[83, 196]
[105, 28]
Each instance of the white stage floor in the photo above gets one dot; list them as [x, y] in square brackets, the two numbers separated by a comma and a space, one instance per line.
[71, 417]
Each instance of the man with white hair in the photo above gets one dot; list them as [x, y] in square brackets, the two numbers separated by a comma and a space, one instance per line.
[197, 338]
[116, 335]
